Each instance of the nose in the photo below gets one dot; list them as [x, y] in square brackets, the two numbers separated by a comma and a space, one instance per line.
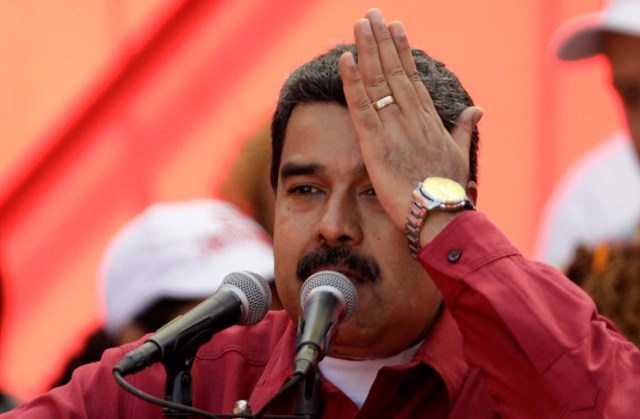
[340, 224]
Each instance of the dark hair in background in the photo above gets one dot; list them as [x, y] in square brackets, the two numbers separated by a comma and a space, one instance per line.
[610, 274]
[319, 81]
[162, 312]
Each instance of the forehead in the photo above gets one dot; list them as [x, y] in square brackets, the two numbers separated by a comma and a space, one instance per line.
[321, 133]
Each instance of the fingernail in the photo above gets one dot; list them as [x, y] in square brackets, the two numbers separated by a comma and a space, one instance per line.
[375, 15]
[397, 29]
[364, 26]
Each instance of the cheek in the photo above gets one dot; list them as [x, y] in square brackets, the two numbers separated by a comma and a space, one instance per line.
[287, 253]
[285, 236]
[289, 294]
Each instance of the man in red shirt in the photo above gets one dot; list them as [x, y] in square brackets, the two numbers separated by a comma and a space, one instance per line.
[457, 325]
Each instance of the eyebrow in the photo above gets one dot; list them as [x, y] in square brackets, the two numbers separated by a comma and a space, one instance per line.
[297, 169]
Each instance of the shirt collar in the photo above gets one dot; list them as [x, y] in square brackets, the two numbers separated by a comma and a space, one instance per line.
[442, 351]
[280, 366]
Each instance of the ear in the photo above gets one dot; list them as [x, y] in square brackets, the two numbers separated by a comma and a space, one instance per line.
[472, 192]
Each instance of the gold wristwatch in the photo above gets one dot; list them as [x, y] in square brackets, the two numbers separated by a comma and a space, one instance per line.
[433, 194]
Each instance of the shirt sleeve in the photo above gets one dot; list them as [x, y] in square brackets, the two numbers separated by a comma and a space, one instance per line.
[543, 349]
[93, 393]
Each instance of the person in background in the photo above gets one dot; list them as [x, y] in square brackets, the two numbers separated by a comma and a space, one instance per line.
[166, 260]
[610, 274]
[599, 197]
[374, 168]
[247, 185]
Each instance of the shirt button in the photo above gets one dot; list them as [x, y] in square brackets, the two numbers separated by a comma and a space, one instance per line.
[454, 255]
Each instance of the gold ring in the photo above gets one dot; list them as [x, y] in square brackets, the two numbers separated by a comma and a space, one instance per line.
[382, 102]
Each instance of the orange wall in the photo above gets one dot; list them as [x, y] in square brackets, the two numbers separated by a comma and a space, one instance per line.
[152, 99]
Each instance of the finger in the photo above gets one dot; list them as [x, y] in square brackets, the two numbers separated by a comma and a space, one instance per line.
[401, 42]
[465, 124]
[369, 63]
[391, 63]
[363, 115]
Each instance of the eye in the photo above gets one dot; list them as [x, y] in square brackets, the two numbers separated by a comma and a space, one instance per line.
[302, 190]
[370, 192]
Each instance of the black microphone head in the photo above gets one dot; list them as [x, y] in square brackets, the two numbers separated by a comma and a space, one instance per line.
[254, 292]
[335, 282]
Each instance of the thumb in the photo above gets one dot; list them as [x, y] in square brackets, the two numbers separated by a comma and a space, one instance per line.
[465, 125]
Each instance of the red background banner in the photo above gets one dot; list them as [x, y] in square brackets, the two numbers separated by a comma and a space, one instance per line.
[109, 106]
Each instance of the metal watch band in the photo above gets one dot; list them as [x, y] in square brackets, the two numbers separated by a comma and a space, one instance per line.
[421, 205]
[417, 215]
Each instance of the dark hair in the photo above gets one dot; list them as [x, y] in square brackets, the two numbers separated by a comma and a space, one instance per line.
[319, 81]
[162, 312]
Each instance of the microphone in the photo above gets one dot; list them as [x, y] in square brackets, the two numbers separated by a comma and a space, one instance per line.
[327, 298]
[243, 298]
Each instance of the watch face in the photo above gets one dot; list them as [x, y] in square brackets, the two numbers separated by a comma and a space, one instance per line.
[443, 190]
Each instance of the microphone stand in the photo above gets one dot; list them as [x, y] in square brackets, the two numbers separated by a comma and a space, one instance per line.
[309, 403]
[178, 386]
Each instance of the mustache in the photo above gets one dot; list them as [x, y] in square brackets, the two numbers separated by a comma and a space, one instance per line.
[342, 257]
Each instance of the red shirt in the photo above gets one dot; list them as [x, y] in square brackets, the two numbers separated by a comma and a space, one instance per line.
[517, 340]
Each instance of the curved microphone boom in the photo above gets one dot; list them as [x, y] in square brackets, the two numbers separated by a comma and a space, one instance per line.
[327, 298]
[243, 298]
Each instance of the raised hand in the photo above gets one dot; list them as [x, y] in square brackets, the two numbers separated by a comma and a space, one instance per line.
[402, 138]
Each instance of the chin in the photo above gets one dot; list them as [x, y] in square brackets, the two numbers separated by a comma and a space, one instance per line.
[357, 344]
[361, 352]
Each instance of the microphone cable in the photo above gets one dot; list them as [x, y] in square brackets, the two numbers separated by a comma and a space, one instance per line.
[203, 413]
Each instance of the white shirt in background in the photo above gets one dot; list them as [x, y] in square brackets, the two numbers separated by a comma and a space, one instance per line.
[597, 200]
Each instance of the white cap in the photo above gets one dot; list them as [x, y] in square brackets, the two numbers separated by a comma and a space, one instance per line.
[582, 37]
[178, 250]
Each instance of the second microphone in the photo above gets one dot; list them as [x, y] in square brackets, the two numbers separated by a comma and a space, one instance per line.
[327, 298]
